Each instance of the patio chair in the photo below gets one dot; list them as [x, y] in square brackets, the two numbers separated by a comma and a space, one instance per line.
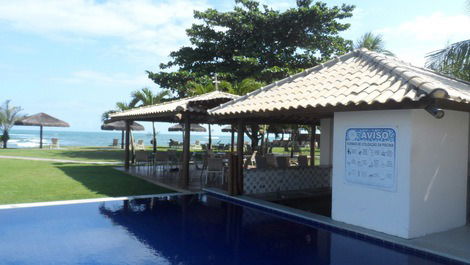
[283, 161]
[140, 145]
[271, 160]
[302, 161]
[54, 143]
[161, 162]
[215, 167]
[251, 160]
[115, 143]
[261, 162]
[142, 159]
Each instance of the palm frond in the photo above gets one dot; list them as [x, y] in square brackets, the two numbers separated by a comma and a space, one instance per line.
[453, 60]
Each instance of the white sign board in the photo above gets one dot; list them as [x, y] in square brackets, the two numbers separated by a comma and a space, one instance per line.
[371, 157]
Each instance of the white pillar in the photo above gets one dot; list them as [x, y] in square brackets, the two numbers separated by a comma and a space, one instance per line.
[429, 191]
[326, 142]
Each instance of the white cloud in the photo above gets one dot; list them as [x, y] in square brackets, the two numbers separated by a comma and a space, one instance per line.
[143, 25]
[436, 27]
[106, 79]
[413, 39]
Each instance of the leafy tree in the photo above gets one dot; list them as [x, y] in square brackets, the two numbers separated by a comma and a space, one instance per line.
[257, 42]
[372, 43]
[8, 116]
[453, 60]
[146, 97]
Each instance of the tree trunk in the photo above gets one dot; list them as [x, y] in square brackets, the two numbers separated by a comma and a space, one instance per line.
[5, 138]
[254, 136]
[154, 140]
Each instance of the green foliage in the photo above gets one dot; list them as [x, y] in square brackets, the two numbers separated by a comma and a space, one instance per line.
[453, 60]
[9, 115]
[372, 43]
[255, 42]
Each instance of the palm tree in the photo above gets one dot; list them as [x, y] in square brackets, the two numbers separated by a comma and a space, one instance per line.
[246, 86]
[372, 43]
[454, 60]
[8, 117]
[146, 97]
[120, 106]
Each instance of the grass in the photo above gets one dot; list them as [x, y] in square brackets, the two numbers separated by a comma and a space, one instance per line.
[37, 181]
[70, 153]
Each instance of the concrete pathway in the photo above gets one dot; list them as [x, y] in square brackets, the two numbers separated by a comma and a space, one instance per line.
[59, 160]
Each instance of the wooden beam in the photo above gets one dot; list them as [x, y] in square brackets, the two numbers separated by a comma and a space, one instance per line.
[232, 140]
[126, 152]
[240, 142]
[40, 136]
[186, 146]
[312, 145]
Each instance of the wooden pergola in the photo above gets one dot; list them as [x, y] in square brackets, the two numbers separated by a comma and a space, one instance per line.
[184, 111]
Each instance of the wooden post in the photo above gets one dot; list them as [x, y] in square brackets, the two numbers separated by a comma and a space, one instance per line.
[126, 152]
[240, 141]
[209, 145]
[312, 145]
[232, 142]
[185, 161]
[122, 139]
[40, 136]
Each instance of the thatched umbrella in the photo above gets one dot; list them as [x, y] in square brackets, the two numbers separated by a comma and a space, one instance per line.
[42, 120]
[179, 128]
[121, 126]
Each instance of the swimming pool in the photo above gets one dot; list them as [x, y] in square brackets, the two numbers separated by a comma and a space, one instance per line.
[183, 229]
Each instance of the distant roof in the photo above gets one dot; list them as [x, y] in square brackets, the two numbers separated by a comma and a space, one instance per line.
[121, 126]
[42, 119]
[166, 111]
[358, 79]
[194, 127]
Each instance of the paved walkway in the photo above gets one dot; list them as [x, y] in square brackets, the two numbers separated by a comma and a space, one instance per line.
[59, 160]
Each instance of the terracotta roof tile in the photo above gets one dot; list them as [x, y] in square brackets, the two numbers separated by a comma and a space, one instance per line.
[358, 77]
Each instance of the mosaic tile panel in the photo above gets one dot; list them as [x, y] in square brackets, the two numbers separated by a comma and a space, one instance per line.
[276, 179]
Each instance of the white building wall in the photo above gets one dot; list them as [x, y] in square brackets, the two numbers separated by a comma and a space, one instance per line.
[404, 211]
[326, 142]
[439, 159]
[364, 206]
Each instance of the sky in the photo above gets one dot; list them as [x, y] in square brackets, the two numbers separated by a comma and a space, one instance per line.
[75, 59]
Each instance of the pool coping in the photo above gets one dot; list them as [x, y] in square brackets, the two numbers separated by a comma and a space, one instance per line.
[376, 237]
[105, 199]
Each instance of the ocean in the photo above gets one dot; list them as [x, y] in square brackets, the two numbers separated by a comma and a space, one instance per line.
[30, 138]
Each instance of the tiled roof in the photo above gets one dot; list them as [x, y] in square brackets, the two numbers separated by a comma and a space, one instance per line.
[188, 104]
[355, 78]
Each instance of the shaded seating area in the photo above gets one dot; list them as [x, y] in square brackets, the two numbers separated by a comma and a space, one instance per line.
[178, 167]
[43, 120]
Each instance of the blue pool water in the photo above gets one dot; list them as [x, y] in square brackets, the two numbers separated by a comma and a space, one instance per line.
[186, 229]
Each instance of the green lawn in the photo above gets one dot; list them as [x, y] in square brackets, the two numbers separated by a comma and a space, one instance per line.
[37, 181]
[70, 153]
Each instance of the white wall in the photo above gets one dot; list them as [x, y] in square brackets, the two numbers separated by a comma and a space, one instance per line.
[439, 172]
[432, 157]
[326, 142]
[365, 206]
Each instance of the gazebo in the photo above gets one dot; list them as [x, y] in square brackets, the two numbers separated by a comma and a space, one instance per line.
[41, 120]
[183, 111]
[400, 134]
[121, 126]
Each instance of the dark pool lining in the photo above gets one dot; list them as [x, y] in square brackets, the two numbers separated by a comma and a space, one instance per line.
[309, 221]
